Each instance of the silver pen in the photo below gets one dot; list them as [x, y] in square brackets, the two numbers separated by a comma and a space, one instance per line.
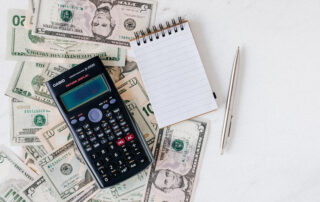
[229, 106]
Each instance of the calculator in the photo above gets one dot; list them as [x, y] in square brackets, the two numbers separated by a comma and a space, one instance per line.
[103, 129]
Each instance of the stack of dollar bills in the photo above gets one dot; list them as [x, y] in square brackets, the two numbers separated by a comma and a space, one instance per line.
[52, 36]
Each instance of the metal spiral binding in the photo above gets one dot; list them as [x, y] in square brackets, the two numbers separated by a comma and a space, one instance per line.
[170, 28]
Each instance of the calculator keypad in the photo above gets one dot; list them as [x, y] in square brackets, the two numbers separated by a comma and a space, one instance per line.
[109, 141]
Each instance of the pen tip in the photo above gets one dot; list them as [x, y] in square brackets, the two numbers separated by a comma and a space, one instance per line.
[221, 152]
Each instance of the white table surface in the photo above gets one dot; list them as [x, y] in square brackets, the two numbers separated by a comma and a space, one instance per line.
[274, 155]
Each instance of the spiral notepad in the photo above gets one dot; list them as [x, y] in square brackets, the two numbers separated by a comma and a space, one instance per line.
[173, 73]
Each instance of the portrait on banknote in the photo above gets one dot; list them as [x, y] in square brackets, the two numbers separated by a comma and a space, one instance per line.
[167, 182]
[117, 73]
[102, 23]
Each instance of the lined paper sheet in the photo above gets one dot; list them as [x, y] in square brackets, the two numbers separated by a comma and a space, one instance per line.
[174, 77]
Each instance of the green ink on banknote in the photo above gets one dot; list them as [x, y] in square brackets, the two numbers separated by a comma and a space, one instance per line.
[177, 145]
[39, 120]
[66, 15]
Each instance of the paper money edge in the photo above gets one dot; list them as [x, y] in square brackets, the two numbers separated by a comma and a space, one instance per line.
[14, 80]
[81, 192]
[12, 131]
[153, 166]
[46, 144]
[122, 44]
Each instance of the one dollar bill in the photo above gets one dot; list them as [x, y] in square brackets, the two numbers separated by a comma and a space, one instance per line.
[100, 21]
[26, 120]
[178, 151]
[22, 45]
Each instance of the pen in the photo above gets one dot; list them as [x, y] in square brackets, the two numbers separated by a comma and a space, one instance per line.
[229, 106]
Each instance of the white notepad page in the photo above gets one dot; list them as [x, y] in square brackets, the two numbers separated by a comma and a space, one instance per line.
[174, 76]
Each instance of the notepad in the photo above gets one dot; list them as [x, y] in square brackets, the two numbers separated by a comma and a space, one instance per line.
[172, 72]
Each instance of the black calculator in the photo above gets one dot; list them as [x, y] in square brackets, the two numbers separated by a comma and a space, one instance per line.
[104, 131]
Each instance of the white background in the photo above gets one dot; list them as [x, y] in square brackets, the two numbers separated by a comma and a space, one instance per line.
[274, 155]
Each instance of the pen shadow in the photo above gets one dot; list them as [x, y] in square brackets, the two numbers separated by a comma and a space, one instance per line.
[203, 49]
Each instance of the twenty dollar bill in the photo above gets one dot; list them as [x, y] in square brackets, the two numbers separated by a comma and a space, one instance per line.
[22, 45]
[26, 120]
[100, 21]
[65, 170]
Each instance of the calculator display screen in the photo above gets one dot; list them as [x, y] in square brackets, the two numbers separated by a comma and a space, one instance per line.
[84, 92]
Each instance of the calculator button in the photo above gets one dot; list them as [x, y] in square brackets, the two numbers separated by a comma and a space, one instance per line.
[134, 145]
[107, 159]
[106, 179]
[114, 173]
[94, 156]
[124, 149]
[105, 106]
[120, 162]
[95, 115]
[84, 143]
[124, 170]
[103, 141]
[111, 167]
[141, 160]
[116, 155]
[88, 149]
[81, 136]
[99, 163]
[118, 133]
[132, 165]
[100, 135]
[115, 127]
[116, 110]
[78, 130]
[104, 125]
[92, 139]
[108, 114]
[129, 137]
[129, 157]
[102, 171]
[107, 131]
[122, 123]
[82, 118]
[120, 142]
[111, 147]
[111, 121]
[119, 117]
[96, 145]
[136, 151]
[89, 132]
[96, 128]
[103, 151]
[127, 129]
[112, 101]
[110, 137]
[74, 121]
[85, 126]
